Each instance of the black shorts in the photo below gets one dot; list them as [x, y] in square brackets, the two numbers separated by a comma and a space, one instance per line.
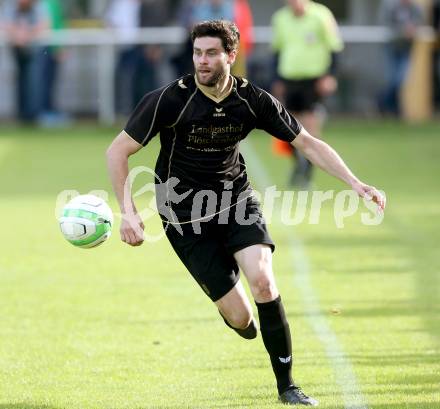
[301, 95]
[209, 256]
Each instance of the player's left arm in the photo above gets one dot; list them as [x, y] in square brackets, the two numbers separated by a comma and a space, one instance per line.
[325, 157]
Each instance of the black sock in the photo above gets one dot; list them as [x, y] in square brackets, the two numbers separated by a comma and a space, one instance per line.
[275, 332]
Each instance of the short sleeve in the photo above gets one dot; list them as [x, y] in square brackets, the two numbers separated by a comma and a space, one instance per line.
[149, 117]
[274, 118]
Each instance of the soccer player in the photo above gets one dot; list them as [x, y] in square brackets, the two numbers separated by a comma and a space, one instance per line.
[201, 120]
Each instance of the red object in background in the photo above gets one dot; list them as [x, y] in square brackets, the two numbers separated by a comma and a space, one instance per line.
[245, 22]
[281, 148]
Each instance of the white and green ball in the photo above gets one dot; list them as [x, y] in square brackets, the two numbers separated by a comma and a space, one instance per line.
[86, 221]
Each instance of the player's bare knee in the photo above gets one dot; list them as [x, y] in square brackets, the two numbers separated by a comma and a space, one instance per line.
[240, 320]
[264, 289]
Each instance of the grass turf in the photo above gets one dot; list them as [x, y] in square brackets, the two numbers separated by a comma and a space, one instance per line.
[120, 327]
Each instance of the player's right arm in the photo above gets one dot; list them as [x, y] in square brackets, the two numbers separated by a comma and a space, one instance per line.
[325, 157]
[155, 111]
[122, 147]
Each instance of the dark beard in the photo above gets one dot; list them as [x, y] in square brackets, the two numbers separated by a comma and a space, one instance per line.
[219, 75]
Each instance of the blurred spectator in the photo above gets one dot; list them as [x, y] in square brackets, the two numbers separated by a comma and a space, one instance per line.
[52, 56]
[436, 16]
[25, 21]
[403, 18]
[182, 60]
[124, 16]
[212, 10]
[138, 65]
[153, 13]
[305, 41]
[436, 59]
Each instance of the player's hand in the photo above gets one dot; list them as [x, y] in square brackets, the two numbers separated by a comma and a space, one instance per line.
[370, 193]
[326, 85]
[132, 229]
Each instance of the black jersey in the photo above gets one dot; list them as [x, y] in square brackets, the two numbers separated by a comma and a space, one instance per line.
[200, 137]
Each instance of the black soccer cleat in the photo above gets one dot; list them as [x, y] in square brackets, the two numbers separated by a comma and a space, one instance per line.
[294, 395]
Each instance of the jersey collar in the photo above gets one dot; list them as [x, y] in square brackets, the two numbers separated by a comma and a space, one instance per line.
[207, 90]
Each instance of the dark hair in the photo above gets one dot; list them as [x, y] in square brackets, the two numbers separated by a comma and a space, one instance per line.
[223, 29]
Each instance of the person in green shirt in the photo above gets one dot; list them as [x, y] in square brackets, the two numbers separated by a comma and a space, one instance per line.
[305, 42]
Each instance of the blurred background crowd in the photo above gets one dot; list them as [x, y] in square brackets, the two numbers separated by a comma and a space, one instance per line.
[71, 59]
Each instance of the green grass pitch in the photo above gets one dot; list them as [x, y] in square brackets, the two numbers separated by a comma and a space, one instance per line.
[119, 327]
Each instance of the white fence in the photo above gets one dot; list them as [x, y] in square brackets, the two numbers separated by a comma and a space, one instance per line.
[107, 41]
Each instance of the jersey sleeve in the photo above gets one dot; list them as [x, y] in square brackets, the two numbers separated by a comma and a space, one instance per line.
[149, 117]
[274, 118]
[331, 33]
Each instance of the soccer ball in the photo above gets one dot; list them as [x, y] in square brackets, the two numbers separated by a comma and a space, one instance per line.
[86, 221]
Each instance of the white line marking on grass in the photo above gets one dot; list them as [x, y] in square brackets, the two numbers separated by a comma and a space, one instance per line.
[345, 376]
